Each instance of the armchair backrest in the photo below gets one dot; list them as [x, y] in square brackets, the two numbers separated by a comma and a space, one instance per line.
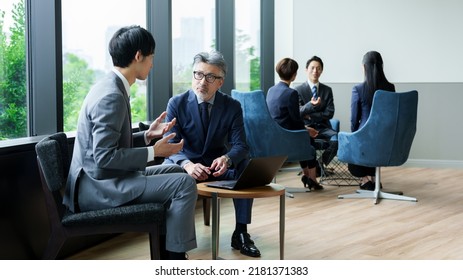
[264, 136]
[387, 136]
[335, 124]
[54, 161]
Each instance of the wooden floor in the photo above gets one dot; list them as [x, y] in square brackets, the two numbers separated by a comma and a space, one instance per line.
[321, 227]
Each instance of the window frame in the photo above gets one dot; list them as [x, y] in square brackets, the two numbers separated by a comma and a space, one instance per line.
[44, 67]
[44, 59]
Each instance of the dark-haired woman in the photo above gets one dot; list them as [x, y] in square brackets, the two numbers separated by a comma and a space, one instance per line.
[362, 99]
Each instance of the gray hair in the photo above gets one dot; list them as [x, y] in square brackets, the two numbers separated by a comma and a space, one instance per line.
[213, 58]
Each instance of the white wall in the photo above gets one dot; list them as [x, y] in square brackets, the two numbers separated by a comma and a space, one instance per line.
[420, 40]
[422, 48]
[284, 29]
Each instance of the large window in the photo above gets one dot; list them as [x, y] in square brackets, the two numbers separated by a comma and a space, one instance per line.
[87, 28]
[247, 44]
[13, 84]
[46, 72]
[193, 31]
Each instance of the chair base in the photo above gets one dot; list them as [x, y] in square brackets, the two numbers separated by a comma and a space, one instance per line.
[377, 194]
[289, 191]
[392, 192]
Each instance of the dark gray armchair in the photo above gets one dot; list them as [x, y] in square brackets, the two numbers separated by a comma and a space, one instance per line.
[53, 161]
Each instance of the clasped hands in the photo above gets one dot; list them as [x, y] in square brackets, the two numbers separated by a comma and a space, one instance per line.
[200, 172]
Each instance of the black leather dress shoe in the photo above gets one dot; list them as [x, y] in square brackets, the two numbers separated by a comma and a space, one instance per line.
[242, 241]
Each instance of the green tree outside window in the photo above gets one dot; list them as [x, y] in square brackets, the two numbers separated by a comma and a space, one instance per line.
[13, 102]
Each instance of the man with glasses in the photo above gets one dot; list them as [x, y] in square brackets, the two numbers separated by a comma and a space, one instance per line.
[211, 125]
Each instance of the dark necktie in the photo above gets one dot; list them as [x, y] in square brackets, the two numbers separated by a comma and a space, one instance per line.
[314, 92]
[205, 115]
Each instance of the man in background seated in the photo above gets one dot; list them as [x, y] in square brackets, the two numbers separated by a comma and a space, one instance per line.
[211, 125]
[317, 106]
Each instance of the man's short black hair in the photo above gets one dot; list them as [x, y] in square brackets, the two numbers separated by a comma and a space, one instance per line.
[127, 41]
[314, 58]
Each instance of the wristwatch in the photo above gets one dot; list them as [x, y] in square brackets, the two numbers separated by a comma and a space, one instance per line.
[229, 161]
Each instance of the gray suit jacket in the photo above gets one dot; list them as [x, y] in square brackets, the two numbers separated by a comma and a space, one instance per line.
[105, 165]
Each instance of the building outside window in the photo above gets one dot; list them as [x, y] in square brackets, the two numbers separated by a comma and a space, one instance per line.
[87, 27]
[13, 83]
[193, 31]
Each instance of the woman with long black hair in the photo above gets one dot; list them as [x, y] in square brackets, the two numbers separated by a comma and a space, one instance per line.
[362, 99]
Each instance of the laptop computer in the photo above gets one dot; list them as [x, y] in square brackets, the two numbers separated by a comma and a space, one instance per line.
[259, 172]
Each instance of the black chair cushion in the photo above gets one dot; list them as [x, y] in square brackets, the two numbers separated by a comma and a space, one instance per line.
[130, 214]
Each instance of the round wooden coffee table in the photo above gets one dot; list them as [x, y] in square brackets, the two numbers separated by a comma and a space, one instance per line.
[256, 192]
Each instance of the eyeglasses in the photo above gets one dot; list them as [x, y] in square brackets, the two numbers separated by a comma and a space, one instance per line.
[210, 78]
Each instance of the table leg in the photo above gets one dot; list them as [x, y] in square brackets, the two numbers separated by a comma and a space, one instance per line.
[215, 225]
[282, 227]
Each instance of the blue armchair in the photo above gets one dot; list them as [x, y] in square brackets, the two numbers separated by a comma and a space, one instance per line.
[265, 137]
[384, 140]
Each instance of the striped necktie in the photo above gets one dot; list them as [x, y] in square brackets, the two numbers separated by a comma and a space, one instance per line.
[314, 92]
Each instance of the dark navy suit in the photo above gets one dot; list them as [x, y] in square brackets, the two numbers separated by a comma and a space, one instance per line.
[360, 107]
[226, 135]
[283, 105]
[360, 112]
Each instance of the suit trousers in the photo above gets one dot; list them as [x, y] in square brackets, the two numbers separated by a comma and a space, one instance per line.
[361, 171]
[169, 184]
[330, 152]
